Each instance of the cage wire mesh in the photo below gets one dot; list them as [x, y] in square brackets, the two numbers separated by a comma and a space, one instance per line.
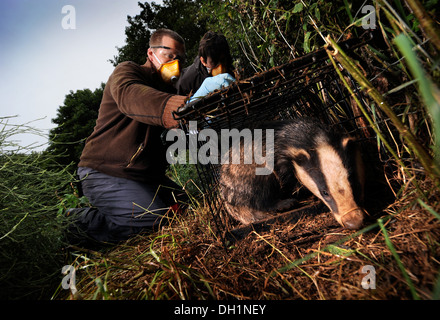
[307, 86]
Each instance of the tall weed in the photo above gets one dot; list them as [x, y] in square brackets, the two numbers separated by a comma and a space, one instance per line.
[30, 232]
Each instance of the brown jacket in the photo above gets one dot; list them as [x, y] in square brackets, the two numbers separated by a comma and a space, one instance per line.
[135, 107]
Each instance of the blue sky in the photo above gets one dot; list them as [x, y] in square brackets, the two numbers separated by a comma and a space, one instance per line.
[40, 62]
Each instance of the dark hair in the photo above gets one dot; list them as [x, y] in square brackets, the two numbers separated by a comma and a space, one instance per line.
[216, 47]
[156, 37]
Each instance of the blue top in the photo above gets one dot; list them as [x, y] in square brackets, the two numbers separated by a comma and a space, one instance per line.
[211, 84]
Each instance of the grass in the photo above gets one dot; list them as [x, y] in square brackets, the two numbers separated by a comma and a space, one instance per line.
[30, 230]
[429, 92]
[185, 261]
[398, 261]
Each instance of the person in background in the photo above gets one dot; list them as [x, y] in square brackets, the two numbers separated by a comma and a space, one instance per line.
[122, 166]
[211, 84]
[214, 59]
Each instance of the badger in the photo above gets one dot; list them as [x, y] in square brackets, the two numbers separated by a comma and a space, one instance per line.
[306, 151]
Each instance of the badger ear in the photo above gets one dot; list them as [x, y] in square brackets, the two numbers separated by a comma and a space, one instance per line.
[298, 155]
[347, 141]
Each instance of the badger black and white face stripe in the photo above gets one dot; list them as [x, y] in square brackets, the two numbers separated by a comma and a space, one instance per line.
[338, 192]
[323, 171]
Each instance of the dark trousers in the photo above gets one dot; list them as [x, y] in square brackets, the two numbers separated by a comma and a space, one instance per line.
[124, 207]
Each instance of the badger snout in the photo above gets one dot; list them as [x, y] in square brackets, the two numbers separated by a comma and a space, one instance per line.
[352, 219]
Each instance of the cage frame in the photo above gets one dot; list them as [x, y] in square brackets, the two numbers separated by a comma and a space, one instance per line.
[291, 88]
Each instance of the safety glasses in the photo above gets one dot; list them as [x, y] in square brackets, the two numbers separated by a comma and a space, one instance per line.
[169, 53]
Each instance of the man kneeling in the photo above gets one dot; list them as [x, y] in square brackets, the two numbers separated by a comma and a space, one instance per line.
[122, 166]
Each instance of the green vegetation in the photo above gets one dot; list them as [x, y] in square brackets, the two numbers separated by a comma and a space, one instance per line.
[31, 185]
[187, 259]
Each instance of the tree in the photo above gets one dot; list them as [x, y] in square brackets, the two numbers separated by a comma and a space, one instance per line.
[182, 16]
[264, 34]
[76, 120]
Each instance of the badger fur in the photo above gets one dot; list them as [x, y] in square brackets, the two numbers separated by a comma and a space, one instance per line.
[326, 163]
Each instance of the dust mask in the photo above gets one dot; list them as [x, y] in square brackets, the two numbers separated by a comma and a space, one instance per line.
[169, 71]
[218, 70]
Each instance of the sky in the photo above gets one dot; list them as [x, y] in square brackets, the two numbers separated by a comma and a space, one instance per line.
[42, 58]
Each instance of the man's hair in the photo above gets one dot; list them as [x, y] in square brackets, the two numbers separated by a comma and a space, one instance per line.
[156, 37]
[216, 47]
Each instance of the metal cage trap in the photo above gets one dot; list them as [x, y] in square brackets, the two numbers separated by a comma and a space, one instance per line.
[307, 86]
